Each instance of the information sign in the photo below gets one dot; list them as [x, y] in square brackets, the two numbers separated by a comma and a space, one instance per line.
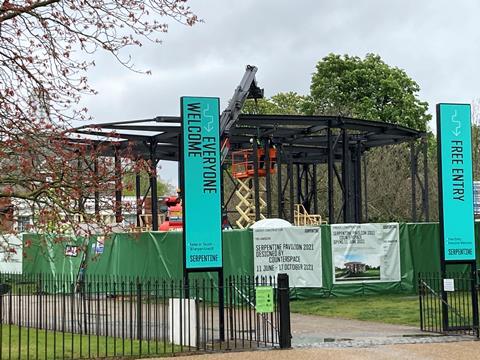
[455, 179]
[201, 183]
[449, 284]
[294, 250]
[264, 299]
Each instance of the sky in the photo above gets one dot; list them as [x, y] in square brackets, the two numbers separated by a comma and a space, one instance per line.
[437, 42]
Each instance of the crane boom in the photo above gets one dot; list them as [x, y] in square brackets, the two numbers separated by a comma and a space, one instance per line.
[247, 89]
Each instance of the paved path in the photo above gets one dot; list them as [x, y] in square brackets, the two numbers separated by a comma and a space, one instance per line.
[316, 337]
[317, 331]
[443, 351]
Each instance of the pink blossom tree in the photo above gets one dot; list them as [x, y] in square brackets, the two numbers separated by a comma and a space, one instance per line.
[44, 45]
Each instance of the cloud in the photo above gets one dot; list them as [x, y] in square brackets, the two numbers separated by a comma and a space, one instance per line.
[435, 42]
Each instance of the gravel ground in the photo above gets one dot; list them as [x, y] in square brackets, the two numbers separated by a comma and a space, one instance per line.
[316, 337]
[437, 351]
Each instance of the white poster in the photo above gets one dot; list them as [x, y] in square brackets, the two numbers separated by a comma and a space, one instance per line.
[295, 251]
[11, 254]
[365, 252]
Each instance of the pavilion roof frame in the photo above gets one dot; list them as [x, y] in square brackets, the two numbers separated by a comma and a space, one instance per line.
[302, 136]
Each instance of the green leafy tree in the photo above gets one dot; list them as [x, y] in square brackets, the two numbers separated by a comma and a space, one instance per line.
[289, 103]
[370, 89]
[163, 187]
[366, 88]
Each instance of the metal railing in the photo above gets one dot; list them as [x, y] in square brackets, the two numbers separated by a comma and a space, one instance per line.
[448, 308]
[49, 317]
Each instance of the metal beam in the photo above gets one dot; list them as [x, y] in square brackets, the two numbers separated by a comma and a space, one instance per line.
[291, 195]
[314, 189]
[268, 186]
[331, 149]
[345, 176]
[153, 186]
[138, 196]
[413, 175]
[256, 183]
[118, 188]
[279, 183]
[425, 179]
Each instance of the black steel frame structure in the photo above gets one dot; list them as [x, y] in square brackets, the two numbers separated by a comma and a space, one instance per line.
[302, 143]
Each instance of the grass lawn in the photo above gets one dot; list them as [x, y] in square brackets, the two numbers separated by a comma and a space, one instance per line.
[392, 309]
[50, 345]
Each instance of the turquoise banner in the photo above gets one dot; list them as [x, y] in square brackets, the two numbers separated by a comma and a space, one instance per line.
[455, 159]
[201, 183]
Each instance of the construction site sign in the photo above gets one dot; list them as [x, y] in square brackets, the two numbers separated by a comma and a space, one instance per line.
[296, 251]
[365, 253]
[455, 181]
[201, 183]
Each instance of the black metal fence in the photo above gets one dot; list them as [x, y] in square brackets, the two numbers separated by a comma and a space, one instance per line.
[49, 317]
[448, 303]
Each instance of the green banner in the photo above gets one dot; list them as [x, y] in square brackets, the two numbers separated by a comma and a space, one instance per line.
[159, 256]
[201, 183]
[456, 183]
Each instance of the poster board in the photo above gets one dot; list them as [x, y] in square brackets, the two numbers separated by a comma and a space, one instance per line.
[295, 251]
[365, 253]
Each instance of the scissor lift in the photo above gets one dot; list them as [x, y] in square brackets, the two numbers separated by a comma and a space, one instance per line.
[243, 171]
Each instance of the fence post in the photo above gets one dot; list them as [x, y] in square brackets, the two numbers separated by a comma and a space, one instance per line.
[473, 284]
[420, 299]
[285, 336]
[139, 313]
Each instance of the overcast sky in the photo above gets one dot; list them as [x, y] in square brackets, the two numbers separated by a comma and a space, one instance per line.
[437, 42]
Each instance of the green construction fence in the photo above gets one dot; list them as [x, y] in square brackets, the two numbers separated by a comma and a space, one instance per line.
[160, 255]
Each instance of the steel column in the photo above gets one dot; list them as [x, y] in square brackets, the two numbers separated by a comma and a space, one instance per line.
[138, 196]
[299, 184]
[345, 176]
[256, 183]
[331, 209]
[279, 183]
[118, 187]
[413, 169]
[358, 183]
[306, 194]
[425, 179]
[290, 183]
[365, 193]
[96, 193]
[153, 185]
[314, 189]
[268, 179]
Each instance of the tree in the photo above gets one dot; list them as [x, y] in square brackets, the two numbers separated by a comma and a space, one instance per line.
[163, 187]
[46, 49]
[289, 103]
[476, 138]
[366, 88]
[372, 90]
